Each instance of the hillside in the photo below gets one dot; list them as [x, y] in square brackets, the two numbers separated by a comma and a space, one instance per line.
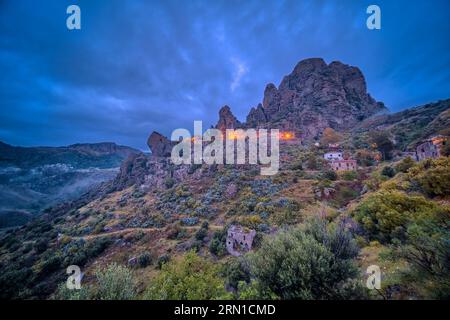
[32, 179]
[410, 126]
[159, 230]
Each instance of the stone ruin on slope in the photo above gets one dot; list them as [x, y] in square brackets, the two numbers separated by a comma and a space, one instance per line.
[239, 240]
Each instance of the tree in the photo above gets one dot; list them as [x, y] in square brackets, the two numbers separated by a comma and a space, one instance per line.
[313, 262]
[388, 172]
[427, 249]
[381, 141]
[189, 278]
[364, 157]
[115, 282]
[330, 136]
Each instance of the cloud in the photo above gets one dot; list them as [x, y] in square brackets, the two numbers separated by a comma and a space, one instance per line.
[138, 66]
[240, 70]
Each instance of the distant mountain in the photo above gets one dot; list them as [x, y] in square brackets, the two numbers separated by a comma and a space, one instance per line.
[313, 97]
[32, 179]
[98, 155]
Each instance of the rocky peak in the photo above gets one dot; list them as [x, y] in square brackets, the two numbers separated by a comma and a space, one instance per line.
[256, 117]
[159, 145]
[226, 119]
[315, 96]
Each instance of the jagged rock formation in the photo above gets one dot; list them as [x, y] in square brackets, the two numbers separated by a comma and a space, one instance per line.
[313, 97]
[227, 120]
[159, 145]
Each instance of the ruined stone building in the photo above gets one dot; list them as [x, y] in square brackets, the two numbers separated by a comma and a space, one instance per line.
[239, 240]
[431, 148]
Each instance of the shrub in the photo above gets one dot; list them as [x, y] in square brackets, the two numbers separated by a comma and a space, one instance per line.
[115, 282]
[162, 260]
[235, 271]
[63, 293]
[316, 262]
[388, 171]
[433, 176]
[217, 244]
[145, 259]
[189, 278]
[169, 183]
[41, 245]
[404, 165]
[364, 157]
[349, 175]
[384, 215]
[427, 249]
[329, 175]
[201, 234]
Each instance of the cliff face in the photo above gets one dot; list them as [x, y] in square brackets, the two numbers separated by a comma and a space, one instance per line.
[313, 97]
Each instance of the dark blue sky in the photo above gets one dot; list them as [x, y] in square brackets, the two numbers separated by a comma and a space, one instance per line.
[137, 66]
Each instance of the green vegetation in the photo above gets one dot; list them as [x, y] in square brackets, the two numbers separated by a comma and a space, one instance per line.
[310, 262]
[189, 278]
[432, 176]
[114, 282]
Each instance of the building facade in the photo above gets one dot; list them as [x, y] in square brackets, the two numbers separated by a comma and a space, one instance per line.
[333, 155]
[431, 148]
[344, 165]
[239, 240]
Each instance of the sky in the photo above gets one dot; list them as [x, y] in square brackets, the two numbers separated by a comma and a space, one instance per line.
[137, 66]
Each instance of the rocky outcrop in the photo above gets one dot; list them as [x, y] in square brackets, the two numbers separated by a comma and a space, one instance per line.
[256, 117]
[159, 145]
[227, 120]
[316, 96]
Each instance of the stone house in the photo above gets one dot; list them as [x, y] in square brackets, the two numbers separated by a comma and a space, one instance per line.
[333, 155]
[239, 240]
[344, 165]
[431, 148]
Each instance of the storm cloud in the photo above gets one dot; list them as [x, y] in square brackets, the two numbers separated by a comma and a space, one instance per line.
[137, 66]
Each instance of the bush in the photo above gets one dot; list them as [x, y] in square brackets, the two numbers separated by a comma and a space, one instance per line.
[405, 165]
[162, 260]
[235, 271]
[201, 234]
[432, 176]
[427, 250]
[189, 278]
[388, 172]
[217, 245]
[169, 183]
[329, 175]
[115, 283]
[314, 262]
[41, 245]
[349, 175]
[384, 215]
[63, 293]
[145, 259]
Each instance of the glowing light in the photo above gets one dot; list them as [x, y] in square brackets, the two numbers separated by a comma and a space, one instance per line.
[287, 135]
